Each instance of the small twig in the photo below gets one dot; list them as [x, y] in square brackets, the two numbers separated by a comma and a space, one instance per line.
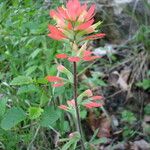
[34, 137]
[29, 125]
[114, 94]
[133, 12]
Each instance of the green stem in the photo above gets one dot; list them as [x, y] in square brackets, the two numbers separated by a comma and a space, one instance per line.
[76, 105]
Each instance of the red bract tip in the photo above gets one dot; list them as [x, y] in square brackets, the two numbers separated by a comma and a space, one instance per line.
[53, 79]
[85, 25]
[86, 53]
[90, 58]
[74, 59]
[58, 85]
[90, 13]
[71, 102]
[63, 107]
[54, 14]
[96, 36]
[61, 56]
[97, 97]
[73, 9]
[55, 33]
[70, 27]
[93, 105]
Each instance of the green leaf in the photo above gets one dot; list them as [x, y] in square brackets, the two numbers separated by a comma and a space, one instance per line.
[21, 80]
[12, 117]
[101, 83]
[145, 84]
[66, 126]
[72, 142]
[128, 116]
[41, 81]
[44, 99]
[50, 116]
[3, 102]
[147, 109]
[30, 70]
[27, 89]
[100, 141]
[68, 145]
[83, 114]
[35, 53]
[35, 112]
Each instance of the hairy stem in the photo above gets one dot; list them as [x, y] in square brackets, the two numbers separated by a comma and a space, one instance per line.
[76, 105]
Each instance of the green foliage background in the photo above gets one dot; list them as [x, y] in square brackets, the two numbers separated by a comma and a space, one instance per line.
[26, 57]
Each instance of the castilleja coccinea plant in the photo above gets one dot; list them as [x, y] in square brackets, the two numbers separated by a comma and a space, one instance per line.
[75, 25]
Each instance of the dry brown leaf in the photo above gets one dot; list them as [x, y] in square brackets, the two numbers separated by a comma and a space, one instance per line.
[102, 123]
[120, 79]
[104, 127]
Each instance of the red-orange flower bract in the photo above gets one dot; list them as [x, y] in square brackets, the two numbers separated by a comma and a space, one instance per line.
[53, 79]
[74, 19]
[61, 56]
[93, 105]
[74, 59]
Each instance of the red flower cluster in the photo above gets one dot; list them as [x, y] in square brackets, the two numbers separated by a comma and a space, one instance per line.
[74, 25]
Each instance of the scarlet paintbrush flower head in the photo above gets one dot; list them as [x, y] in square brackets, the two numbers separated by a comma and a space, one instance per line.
[74, 20]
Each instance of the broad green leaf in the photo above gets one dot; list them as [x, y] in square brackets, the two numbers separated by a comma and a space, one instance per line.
[3, 102]
[50, 116]
[21, 80]
[12, 117]
[35, 112]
